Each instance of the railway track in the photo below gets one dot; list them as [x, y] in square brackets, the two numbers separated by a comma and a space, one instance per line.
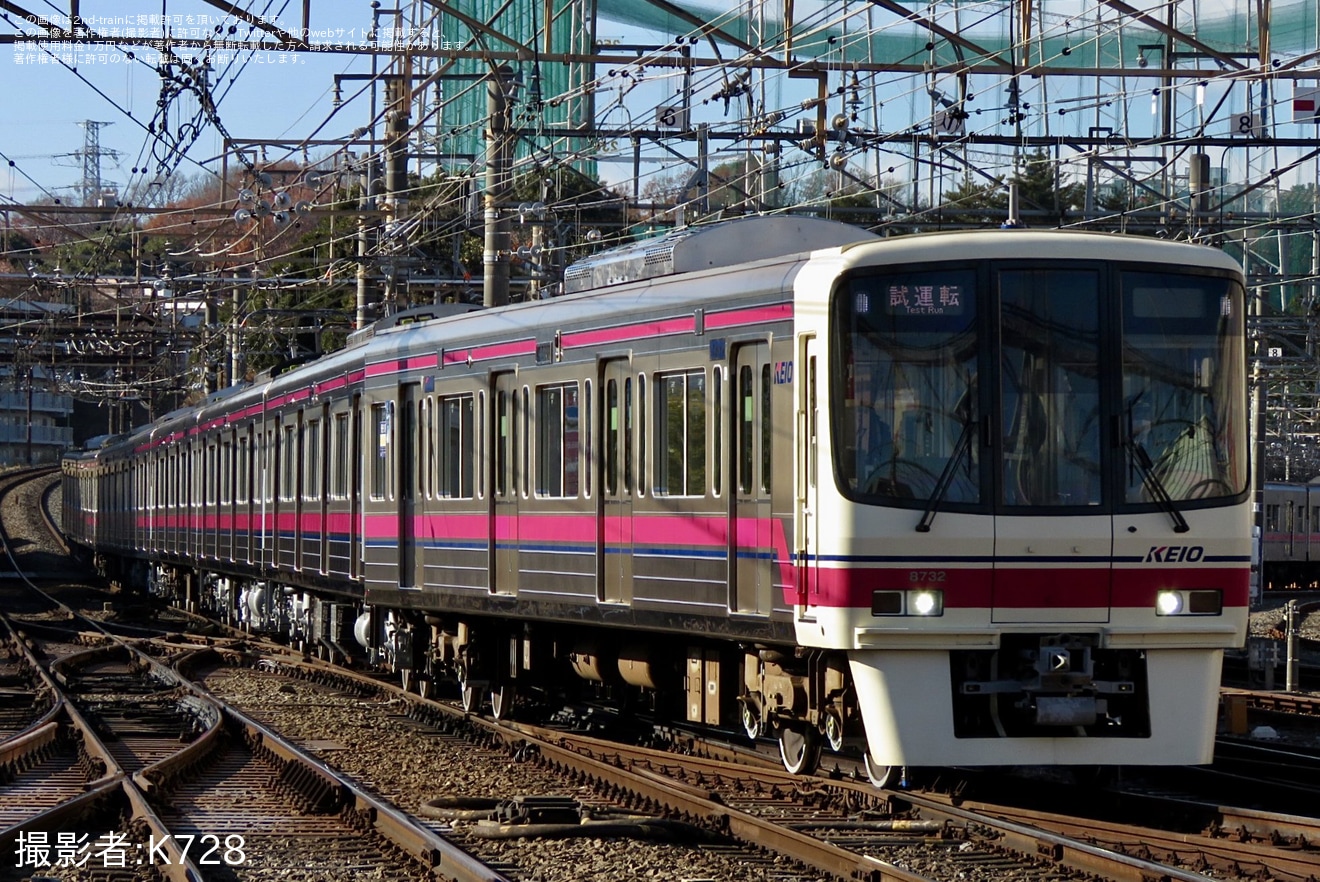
[134, 773]
[210, 795]
[744, 816]
[845, 828]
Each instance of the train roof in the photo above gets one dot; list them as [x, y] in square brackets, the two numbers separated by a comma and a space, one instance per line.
[1026, 243]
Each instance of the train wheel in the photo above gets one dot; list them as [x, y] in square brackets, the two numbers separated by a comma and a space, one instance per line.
[799, 747]
[425, 687]
[469, 697]
[750, 721]
[406, 679]
[834, 732]
[882, 777]
[501, 702]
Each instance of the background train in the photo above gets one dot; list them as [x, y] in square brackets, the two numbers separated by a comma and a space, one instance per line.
[1290, 541]
[972, 498]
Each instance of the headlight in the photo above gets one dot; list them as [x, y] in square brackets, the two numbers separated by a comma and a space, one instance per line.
[1168, 603]
[926, 602]
[1189, 602]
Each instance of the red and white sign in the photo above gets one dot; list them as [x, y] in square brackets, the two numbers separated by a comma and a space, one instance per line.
[1305, 102]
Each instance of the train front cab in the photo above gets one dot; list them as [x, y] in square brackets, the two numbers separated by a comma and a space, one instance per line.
[1028, 522]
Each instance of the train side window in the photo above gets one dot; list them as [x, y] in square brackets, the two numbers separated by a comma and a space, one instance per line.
[1272, 518]
[680, 430]
[585, 436]
[356, 465]
[240, 469]
[289, 482]
[812, 427]
[339, 478]
[641, 434]
[613, 429]
[627, 435]
[717, 427]
[557, 441]
[527, 441]
[312, 447]
[746, 409]
[269, 465]
[426, 445]
[478, 428]
[226, 473]
[503, 426]
[274, 463]
[212, 476]
[456, 458]
[409, 474]
[380, 425]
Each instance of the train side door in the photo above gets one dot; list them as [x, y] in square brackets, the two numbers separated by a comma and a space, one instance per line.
[265, 551]
[407, 490]
[752, 541]
[298, 488]
[615, 519]
[322, 489]
[807, 452]
[504, 482]
[229, 494]
[251, 487]
[357, 531]
[1311, 520]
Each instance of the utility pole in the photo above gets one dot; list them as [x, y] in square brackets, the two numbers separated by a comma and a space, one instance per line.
[398, 99]
[495, 256]
[366, 202]
[29, 414]
[237, 369]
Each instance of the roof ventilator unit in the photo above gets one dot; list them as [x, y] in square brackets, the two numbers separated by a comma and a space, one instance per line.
[709, 246]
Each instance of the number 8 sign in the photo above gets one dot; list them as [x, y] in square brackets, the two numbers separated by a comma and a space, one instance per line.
[1248, 125]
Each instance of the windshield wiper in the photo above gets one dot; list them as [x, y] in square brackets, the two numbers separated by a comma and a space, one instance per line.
[1154, 485]
[946, 477]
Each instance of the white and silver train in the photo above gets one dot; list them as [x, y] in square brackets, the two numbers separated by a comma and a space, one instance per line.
[973, 498]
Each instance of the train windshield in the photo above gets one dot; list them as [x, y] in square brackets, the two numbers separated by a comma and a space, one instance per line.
[1049, 387]
[908, 365]
[1184, 428]
[911, 432]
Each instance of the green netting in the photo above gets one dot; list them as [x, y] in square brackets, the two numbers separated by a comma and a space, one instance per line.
[458, 123]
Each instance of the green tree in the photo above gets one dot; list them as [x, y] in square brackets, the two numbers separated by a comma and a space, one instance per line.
[1045, 198]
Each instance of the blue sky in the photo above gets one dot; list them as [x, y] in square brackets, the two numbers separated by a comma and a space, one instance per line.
[273, 95]
[283, 95]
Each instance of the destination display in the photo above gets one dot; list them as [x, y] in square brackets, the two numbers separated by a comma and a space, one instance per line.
[922, 299]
